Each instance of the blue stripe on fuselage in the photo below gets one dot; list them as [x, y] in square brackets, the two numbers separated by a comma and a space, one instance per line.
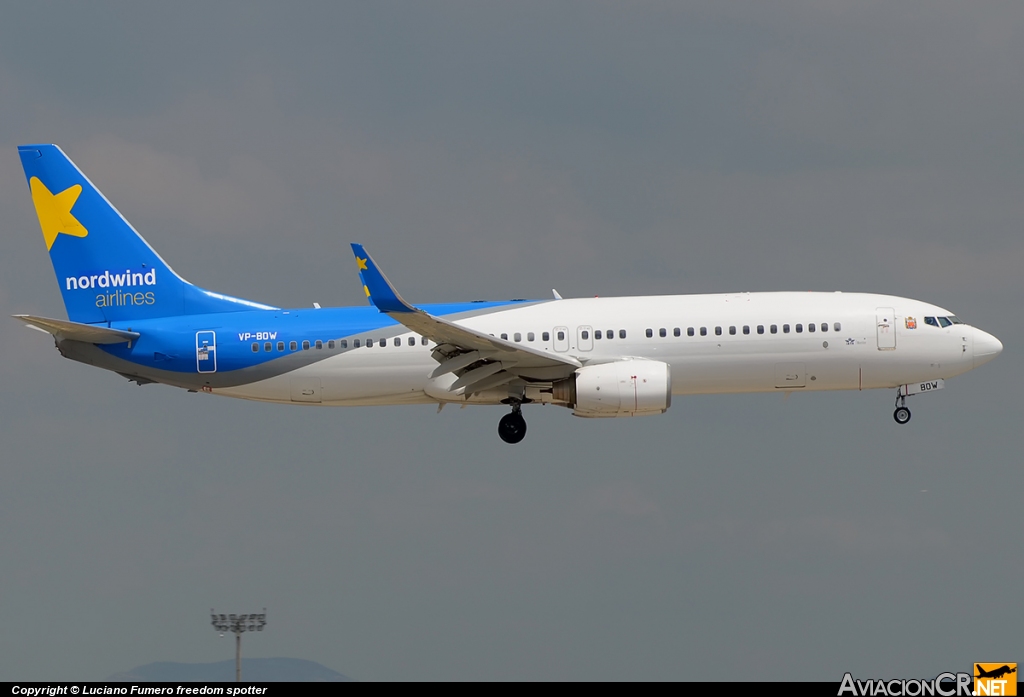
[169, 343]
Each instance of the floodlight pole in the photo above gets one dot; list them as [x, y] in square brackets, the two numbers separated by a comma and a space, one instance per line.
[238, 624]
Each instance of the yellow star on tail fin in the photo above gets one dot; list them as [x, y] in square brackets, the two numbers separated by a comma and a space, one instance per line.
[54, 211]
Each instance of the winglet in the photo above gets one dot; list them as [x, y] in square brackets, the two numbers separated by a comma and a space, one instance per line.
[377, 287]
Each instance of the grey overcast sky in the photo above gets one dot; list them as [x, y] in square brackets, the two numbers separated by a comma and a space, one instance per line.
[498, 150]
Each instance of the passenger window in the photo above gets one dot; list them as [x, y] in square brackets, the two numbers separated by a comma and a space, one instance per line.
[561, 336]
[799, 329]
[382, 342]
[732, 331]
[585, 334]
[411, 341]
[838, 327]
[305, 345]
[545, 336]
[344, 343]
[255, 348]
[689, 331]
[703, 331]
[504, 336]
[785, 329]
[398, 341]
[774, 329]
[280, 346]
[760, 329]
[676, 332]
[718, 331]
[944, 322]
[622, 333]
[369, 343]
[663, 332]
[529, 336]
[319, 344]
[650, 333]
[597, 333]
[746, 328]
[356, 343]
[824, 326]
[293, 346]
[423, 340]
[268, 347]
[330, 344]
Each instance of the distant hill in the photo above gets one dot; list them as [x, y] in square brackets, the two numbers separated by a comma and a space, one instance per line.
[253, 669]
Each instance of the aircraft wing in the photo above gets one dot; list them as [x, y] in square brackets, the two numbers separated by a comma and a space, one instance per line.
[76, 331]
[460, 347]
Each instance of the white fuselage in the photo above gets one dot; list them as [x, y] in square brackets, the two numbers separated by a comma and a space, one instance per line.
[722, 343]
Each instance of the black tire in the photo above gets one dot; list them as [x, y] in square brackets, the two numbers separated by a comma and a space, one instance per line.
[901, 415]
[512, 428]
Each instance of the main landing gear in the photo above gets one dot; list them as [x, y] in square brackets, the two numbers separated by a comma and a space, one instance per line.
[512, 427]
[902, 414]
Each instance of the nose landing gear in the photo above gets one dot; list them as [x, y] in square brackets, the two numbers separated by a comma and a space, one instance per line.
[512, 427]
[902, 414]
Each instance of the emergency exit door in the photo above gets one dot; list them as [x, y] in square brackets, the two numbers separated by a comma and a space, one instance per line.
[585, 338]
[561, 338]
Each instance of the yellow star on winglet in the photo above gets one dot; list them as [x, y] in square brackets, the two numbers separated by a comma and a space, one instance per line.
[361, 263]
[54, 211]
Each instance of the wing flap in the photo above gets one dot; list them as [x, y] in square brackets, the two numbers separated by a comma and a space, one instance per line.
[76, 331]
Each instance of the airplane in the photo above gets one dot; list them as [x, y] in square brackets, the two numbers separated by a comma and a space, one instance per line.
[994, 673]
[130, 313]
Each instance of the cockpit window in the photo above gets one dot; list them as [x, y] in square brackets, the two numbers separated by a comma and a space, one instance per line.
[954, 320]
[932, 321]
[944, 321]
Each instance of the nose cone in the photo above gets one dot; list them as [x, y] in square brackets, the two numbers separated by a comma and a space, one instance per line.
[986, 347]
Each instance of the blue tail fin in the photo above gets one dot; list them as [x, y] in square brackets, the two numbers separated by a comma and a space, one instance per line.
[106, 271]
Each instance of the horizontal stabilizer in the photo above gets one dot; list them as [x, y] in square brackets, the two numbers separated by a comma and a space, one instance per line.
[76, 331]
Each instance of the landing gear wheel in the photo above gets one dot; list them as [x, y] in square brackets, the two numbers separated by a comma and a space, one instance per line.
[512, 427]
[902, 415]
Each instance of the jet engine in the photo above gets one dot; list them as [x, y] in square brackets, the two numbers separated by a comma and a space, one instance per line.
[631, 387]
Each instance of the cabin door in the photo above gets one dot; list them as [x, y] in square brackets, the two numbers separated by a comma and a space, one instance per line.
[885, 320]
[206, 352]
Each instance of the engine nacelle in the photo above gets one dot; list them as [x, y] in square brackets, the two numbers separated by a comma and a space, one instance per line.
[631, 387]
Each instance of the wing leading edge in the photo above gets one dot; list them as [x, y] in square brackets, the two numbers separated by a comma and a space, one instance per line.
[480, 360]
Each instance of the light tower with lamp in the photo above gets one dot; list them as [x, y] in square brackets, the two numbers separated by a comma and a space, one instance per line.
[238, 624]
